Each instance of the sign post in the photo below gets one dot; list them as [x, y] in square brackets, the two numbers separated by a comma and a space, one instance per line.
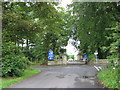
[50, 55]
[96, 53]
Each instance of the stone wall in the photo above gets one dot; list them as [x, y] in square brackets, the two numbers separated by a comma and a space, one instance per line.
[62, 61]
[99, 61]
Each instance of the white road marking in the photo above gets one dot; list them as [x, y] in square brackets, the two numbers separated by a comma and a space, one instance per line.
[100, 68]
[97, 68]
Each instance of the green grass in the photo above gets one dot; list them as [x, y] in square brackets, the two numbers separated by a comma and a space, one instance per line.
[12, 80]
[35, 63]
[109, 77]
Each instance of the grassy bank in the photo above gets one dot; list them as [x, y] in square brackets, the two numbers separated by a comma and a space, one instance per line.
[12, 80]
[35, 63]
[109, 77]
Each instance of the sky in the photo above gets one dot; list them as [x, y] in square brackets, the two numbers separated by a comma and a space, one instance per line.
[64, 3]
[70, 49]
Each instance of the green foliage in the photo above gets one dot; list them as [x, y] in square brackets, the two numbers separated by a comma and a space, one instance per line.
[39, 26]
[10, 48]
[38, 52]
[90, 25]
[14, 65]
[36, 63]
[91, 57]
[70, 56]
[109, 77]
[13, 61]
[114, 46]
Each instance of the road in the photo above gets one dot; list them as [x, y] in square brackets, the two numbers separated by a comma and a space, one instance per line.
[69, 76]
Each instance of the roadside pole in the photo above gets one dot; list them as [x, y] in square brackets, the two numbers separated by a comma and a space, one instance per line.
[96, 53]
[96, 59]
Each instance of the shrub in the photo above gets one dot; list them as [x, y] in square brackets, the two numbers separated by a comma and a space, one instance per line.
[91, 57]
[10, 48]
[109, 77]
[13, 61]
[14, 65]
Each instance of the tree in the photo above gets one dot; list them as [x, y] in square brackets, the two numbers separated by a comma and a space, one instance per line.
[90, 21]
[54, 36]
[35, 26]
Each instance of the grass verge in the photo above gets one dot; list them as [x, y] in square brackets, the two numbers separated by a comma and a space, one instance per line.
[12, 80]
[109, 77]
[35, 63]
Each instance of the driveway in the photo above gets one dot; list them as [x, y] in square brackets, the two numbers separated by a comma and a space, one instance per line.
[67, 76]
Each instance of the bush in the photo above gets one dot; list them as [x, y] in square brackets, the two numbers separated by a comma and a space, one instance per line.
[91, 57]
[10, 48]
[113, 60]
[109, 77]
[14, 65]
[13, 61]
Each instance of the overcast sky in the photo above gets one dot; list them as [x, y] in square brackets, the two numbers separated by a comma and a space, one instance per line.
[64, 3]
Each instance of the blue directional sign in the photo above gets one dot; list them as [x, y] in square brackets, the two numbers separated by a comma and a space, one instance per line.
[50, 55]
[85, 57]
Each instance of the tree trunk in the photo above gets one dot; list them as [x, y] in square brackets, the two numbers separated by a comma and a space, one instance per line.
[22, 46]
[54, 46]
[46, 46]
[27, 47]
[100, 54]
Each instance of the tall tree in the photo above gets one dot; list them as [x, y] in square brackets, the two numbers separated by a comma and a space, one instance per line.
[90, 21]
[37, 25]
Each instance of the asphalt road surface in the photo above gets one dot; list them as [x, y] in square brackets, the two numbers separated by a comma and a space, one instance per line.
[69, 76]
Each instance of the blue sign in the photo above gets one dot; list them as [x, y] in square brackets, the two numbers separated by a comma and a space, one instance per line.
[50, 55]
[85, 57]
